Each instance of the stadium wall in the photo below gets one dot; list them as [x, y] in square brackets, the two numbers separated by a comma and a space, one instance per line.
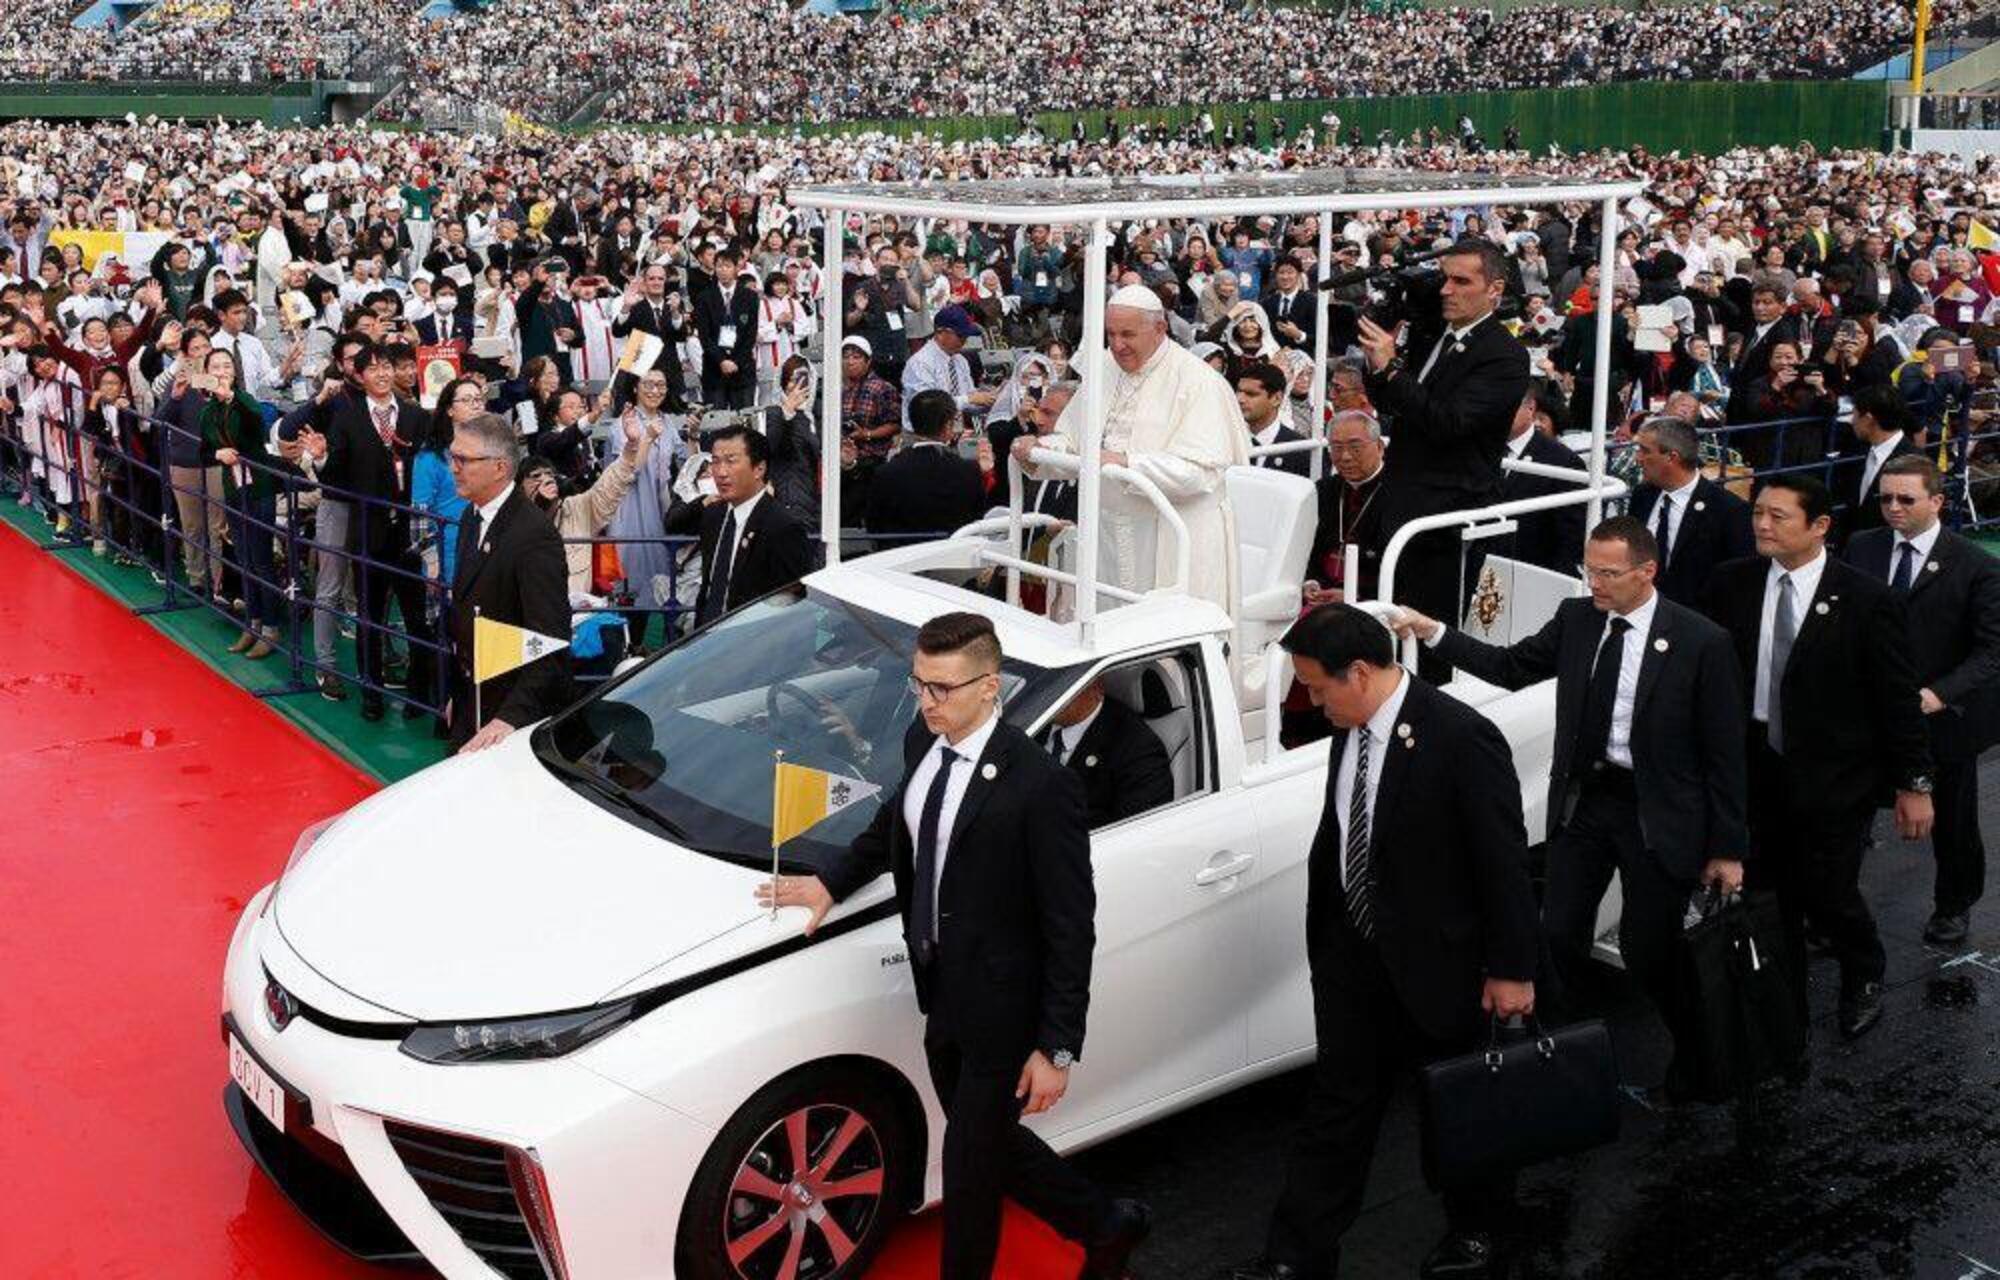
[1662, 116]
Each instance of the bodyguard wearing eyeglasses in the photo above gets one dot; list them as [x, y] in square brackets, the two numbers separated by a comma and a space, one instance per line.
[1952, 590]
[989, 845]
[510, 569]
[1648, 777]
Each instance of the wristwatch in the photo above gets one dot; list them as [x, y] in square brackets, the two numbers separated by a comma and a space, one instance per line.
[1922, 784]
[1061, 1059]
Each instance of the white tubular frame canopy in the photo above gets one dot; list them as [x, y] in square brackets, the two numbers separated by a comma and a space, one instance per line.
[1098, 204]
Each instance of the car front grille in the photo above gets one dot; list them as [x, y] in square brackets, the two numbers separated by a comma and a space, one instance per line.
[466, 1181]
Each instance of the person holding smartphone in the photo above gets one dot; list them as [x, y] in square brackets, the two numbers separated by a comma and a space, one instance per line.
[793, 433]
[234, 438]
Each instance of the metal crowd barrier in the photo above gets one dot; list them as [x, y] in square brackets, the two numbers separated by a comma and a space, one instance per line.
[151, 534]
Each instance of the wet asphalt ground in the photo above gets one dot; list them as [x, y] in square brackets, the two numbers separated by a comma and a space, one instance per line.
[1886, 1163]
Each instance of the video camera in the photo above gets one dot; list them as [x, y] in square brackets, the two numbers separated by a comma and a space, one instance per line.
[1398, 291]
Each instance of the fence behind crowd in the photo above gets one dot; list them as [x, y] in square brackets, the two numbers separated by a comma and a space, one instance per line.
[255, 548]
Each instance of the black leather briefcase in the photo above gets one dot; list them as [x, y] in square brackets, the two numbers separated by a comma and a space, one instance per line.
[1745, 1022]
[1529, 1096]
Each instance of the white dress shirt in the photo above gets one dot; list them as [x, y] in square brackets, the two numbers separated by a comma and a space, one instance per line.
[1805, 583]
[490, 511]
[1677, 511]
[742, 511]
[1878, 454]
[1517, 446]
[1618, 743]
[969, 749]
[1381, 731]
[1923, 544]
[260, 371]
[932, 368]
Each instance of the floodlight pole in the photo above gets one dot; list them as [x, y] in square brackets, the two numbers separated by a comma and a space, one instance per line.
[831, 307]
[1089, 518]
[1322, 307]
[1600, 382]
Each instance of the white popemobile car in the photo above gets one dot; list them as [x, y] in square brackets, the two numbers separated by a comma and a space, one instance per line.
[519, 1015]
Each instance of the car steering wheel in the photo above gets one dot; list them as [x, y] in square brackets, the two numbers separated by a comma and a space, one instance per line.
[818, 707]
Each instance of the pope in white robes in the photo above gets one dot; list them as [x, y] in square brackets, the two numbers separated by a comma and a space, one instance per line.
[1174, 420]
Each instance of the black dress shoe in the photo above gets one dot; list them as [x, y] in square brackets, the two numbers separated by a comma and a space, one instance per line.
[1861, 1010]
[1263, 1269]
[1459, 1254]
[1131, 1222]
[1947, 930]
[371, 706]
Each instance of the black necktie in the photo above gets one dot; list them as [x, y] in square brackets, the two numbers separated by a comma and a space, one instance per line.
[1906, 567]
[1594, 734]
[1664, 534]
[717, 601]
[923, 894]
[475, 526]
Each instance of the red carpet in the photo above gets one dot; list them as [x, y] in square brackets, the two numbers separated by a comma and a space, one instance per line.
[142, 800]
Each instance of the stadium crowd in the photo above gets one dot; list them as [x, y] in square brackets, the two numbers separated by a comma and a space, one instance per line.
[738, 62]
[1762, 286]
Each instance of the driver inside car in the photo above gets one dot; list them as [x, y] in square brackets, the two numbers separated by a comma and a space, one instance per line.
[1122, 762]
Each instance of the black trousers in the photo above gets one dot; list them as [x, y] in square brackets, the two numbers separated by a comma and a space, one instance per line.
[1602, 838]
[724, 391]
[1437, 574]
[1367, 1039]
[1808, 851]
[1955, 839]
[379, 586]
[989, 1153]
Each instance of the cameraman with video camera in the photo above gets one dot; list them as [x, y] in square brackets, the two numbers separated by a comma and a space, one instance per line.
[1447, 400]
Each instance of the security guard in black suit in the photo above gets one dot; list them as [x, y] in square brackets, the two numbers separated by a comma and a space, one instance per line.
[1122, 762]
[990, 850]
[1952, 590]
[1420, 923]
[1697, 523]
[1648, 776]
[1835, 725]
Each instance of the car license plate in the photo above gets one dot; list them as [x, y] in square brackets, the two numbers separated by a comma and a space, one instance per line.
[258, 1085]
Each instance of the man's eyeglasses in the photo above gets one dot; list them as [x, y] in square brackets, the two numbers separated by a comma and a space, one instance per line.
[937, 692]
[1589, 574]
[460, 461]
[1899, 499]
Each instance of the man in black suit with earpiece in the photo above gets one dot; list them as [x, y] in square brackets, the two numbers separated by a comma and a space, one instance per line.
[989, 846]
[749, 543]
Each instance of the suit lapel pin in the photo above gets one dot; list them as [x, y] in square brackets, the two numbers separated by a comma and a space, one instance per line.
[1822, 607]
[1403, 730]
[989, 772]
[1090, 762]
[1660, 645]
[1699, 505]
[1932, 567]
[747, 535]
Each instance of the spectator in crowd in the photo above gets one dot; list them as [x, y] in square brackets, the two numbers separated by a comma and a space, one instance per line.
[726, 318]
[794, 438]
[940, 365]
[234, 438]
[431, 485]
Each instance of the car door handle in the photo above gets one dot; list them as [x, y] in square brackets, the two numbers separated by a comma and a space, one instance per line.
[1219, 871]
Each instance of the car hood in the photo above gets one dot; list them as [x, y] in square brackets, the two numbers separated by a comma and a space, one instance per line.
[486, 887]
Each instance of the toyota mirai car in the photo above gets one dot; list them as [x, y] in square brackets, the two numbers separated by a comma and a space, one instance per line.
[521, 1015]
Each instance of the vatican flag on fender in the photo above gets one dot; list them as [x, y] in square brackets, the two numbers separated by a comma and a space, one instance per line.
[802, 798]
[500, 647]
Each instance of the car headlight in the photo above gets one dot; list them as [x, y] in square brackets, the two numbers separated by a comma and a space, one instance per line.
[516, 1039]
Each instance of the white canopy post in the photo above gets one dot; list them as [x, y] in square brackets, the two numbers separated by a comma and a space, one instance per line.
[1600, 382]
[1089, 519]
[831, 308]
[1322, 308]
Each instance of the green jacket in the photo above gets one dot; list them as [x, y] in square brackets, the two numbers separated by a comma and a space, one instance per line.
[238, 424]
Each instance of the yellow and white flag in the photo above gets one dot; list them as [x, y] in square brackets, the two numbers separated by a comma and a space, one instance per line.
[802, 798]
[1981, 238]
[499, 647]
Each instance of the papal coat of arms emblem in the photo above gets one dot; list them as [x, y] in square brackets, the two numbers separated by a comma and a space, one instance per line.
[1488, 600]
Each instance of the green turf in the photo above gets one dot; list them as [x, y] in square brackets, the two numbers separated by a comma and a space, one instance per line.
[389, 749]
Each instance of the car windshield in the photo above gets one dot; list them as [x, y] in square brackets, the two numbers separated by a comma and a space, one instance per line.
[685, 746]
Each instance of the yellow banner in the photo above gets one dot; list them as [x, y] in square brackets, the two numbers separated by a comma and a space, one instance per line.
[802, 798]
[500, 647]
[1981, 237]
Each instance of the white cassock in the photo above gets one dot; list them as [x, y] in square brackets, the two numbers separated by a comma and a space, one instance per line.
[1178, 423]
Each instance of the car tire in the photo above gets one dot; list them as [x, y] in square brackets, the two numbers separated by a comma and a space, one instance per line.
[753, 1214]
